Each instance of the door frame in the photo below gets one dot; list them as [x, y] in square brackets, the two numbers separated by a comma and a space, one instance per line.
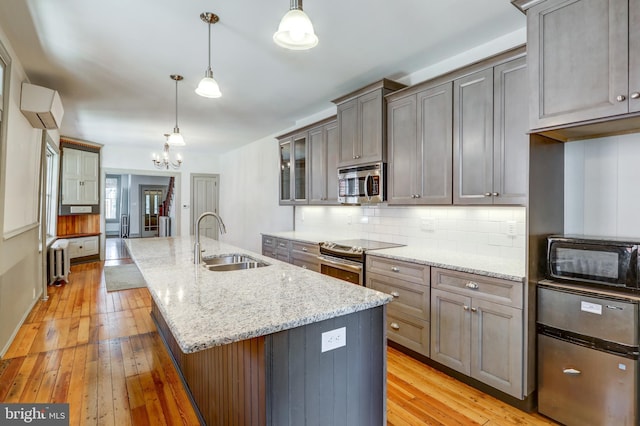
[192, 178]
[141, 188]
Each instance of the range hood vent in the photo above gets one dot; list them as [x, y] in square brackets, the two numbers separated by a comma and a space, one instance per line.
[41, 106]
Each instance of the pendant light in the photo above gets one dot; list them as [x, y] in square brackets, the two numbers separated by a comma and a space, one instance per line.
[295, 31]
[208, 86]
[175, 138]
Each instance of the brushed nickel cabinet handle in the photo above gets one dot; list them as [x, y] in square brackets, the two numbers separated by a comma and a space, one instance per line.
[495, 194]
[635, 95]
[304, 249]
[304, 266]
[465, 307]
[395, 269]
[474, 309]
[472, 285]
[620, 98]
[395, 294]
[487, 194]
[394, 325]
[571, 371]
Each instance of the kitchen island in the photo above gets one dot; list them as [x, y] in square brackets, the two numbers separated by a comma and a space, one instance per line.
[254, 346]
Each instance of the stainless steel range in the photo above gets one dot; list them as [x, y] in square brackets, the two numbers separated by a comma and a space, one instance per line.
[345, 259]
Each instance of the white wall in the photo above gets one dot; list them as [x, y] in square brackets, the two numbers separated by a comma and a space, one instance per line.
[249, 194]
[20, 261]
[602, 186]
[137, 160]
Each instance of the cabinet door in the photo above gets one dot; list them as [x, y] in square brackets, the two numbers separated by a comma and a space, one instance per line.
[332, 140]
[317, 166]
[90, 175]
[299, 178]
[435, 145]
[634, 55]
[496, 346]
[71, 176]
[510, 138]
[578, 57]
[473, 138]
[90, 246]
[369, 140]
[348, 130]
[286, 197]
[403, 153]
[450, 330]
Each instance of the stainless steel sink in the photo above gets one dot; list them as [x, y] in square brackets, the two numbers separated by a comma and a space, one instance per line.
[232, 262]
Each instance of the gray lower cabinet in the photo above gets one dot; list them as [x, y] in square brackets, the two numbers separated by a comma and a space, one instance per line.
[490, 144]
[409, 313]
[323, 163]
[302, 254]
[477, 328]
[579, 60]
[420, 146]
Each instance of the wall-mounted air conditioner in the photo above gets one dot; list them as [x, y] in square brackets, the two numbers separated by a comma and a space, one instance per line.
[41, 106]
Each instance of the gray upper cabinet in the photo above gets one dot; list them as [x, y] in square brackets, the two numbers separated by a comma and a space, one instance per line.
[293, 169]
[473, 138]
[323, 163]
[490, 141]
[510, 139]
[578, 53]
[420, 147]
[361, 124]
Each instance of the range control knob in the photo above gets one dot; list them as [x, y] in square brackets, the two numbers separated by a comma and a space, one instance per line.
[358, 250]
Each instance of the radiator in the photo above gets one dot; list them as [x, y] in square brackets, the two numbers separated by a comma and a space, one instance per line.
[59, 262]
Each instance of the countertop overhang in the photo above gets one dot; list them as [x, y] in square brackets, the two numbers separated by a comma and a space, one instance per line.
[205, 308]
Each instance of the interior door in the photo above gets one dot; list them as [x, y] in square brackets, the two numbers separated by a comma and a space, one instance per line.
[150, 199]
[204, 198]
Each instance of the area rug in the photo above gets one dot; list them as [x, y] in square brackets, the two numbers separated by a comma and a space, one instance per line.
[123, 277]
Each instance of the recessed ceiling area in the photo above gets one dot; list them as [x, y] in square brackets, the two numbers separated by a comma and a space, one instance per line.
[111, 60]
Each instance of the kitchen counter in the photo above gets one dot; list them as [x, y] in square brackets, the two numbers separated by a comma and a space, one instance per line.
[513, 270]
[205, 309]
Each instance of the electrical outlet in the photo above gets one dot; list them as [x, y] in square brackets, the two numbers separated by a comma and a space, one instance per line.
[334, 339]
[428, 224]
[511, 228]
[34, 293]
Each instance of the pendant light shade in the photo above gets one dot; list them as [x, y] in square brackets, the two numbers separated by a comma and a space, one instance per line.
[295, 31]
[175, 138]
[208, 86]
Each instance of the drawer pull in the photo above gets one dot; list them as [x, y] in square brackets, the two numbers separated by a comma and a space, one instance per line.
[474, 309]
[465, 307]
[395, 269]
[472, 285]
[282, 245]
[394, 325]
[304, 266]
[395, 294]
[572, 371]
[304, 249]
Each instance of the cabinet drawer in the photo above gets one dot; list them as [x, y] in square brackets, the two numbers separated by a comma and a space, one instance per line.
[408, 297]
[297, 246]
[268, 250]
[496, 290]
[268, 241]
[409, 332]
[312, 265]
[282, 245]
[398, 269]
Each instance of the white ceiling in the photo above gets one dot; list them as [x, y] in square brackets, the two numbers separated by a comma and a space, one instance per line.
[111, 60]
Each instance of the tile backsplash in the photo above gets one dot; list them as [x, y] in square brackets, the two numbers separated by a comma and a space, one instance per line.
[494, 231]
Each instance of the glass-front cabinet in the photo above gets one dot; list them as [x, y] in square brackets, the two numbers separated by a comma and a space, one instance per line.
[293, 169]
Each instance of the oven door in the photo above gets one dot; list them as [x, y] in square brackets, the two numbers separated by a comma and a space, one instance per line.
[345, 270]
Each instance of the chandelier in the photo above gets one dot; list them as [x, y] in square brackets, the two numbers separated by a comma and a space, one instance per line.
[164, 161]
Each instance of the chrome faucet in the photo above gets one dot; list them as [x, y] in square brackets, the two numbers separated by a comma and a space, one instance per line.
[197, 254]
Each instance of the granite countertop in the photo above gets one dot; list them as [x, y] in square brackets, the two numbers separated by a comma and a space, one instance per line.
[205, 309]
[513, 270]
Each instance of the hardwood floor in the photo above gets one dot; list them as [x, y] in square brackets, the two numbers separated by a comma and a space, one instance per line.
[101, 353]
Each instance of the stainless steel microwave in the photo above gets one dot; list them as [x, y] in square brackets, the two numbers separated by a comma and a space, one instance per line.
[600, 261]
[362, 184]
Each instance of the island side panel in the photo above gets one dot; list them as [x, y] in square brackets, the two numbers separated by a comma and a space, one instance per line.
[226, 383]
[344, 386]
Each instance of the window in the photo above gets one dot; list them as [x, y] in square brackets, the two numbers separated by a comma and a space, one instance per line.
[112, 198]
[51, 189]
